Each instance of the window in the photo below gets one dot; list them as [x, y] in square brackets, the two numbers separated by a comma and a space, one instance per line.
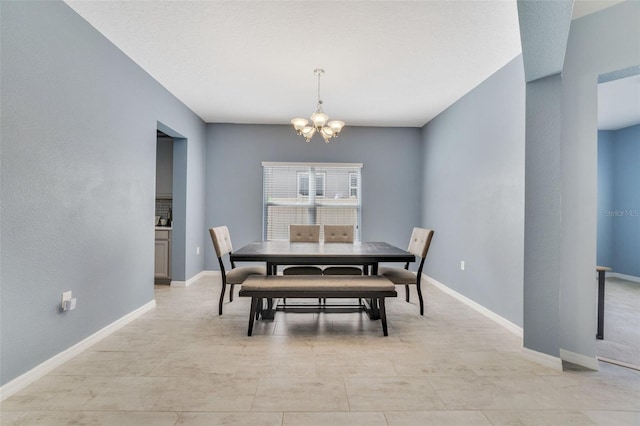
[303, 184]
[354, 184]
[310, 193]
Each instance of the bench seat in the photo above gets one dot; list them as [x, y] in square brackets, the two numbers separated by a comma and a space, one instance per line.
[375, 288]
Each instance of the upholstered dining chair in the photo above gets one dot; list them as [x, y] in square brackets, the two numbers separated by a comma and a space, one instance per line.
[418, 246]
[236, 275]
[339, 234]
[303, 234]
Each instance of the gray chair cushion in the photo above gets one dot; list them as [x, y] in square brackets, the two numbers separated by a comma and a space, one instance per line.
[342, 270]
[398, 275]
[238, 275]
[302, 270]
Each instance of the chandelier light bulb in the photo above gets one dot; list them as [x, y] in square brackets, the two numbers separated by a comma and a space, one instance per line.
[319, 119]
[298, 124]
[308, 132]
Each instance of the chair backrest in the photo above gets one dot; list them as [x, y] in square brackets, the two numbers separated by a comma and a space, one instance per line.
[420, 242]
[338, 233]
[304, 233]
[221, 240]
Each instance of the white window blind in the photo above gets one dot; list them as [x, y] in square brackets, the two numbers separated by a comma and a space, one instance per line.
[310, 194]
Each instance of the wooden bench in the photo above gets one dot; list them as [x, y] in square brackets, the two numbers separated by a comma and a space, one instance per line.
[375, 288]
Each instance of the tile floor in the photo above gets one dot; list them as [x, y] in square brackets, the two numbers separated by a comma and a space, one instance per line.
[182, 364]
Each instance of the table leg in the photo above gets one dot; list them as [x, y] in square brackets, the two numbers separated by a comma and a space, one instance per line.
[268, 312]
[600, 333]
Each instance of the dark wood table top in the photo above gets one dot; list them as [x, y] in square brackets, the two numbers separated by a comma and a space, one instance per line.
[285, 252]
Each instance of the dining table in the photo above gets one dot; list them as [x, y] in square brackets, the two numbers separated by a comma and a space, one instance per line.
[276, 253]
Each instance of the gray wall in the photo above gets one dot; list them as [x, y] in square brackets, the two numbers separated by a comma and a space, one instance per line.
[599, 43]
[619, 200]
[605, 198]
[78, 138]
[543, 203]
[391, 176]
[473, 193]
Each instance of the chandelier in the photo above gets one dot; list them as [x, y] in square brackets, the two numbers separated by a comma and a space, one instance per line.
[319, 121]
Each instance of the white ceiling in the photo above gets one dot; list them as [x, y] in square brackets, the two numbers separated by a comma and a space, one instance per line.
[387, 63]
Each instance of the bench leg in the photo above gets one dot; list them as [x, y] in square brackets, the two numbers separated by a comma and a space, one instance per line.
[252, 314]
[383, 316]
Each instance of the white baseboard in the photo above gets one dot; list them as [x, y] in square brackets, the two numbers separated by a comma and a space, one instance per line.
[22, 381]
[620, 363]
[477, 307]
[579, 359]
[623, 276]
[193, 279]
[543, 359]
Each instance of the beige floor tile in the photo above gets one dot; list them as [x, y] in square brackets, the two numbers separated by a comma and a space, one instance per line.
[329, 365]
[392, 393]
[614, 418]
[537, 417]
[591, 393]
[91, 363]
[300, 394]
[87, 418]
[206, 393]
[87, 393]
[475, 393]
[431, 364]
[231, 419]
[436, 418]
[334, 418]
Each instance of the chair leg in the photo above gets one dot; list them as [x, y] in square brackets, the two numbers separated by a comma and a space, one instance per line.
[231, 293]
[224, 287]
[420, 298]
[406, 290]
[383, 317]
[252, 313]
[258, 308]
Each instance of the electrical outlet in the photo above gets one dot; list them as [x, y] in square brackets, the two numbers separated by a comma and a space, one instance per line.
[68, 301]
[197, 250]
[462, 265]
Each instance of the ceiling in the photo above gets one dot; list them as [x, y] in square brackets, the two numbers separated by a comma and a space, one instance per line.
[387, 63]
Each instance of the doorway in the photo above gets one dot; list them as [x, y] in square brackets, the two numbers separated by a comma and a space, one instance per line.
[618, 241]
[178, 184]
[163, 208]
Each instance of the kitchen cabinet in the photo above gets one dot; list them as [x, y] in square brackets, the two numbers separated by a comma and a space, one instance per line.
[163, 256]
[164, 168]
